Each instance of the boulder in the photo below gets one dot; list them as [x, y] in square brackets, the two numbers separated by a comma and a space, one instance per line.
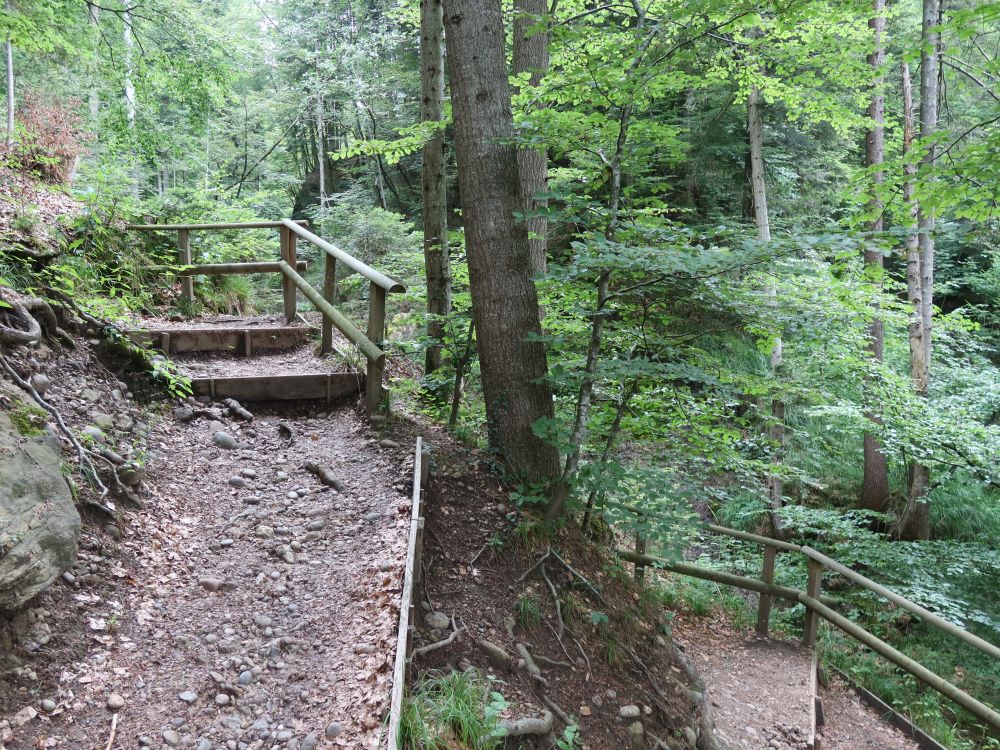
[39, 523]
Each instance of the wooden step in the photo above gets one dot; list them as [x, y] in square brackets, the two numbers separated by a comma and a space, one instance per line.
[244, 341]
[325, 386]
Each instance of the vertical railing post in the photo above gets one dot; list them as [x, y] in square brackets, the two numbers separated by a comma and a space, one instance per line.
[814, 586]
[330, 295]
[764, 605]
[288, 286]
[376, 333]
[184, 259]
[640, 549]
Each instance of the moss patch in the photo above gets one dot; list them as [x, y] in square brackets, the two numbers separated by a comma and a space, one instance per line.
[27, 419]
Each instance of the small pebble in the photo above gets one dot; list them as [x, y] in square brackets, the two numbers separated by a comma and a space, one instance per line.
[116, 702]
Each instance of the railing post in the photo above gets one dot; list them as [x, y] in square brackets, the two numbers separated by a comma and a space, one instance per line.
[764, 606]
[813, 589]
[376, 333]
[288, 286]
[640, 549]
[330, 295]
[184, 259]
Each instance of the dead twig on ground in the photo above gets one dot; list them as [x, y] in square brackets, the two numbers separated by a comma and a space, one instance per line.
[114, 728]
[423, 650]
[555, 599]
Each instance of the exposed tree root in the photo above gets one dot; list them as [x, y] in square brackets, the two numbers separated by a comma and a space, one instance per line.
[540, 725]
[455, 631]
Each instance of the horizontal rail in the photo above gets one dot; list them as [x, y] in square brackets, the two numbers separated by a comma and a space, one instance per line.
[352, 332]
[217, 269]
[376, 277]
[232, 225]
[716, 576]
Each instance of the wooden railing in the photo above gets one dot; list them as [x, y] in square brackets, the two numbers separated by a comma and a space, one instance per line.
[818, 606]
[369, 342]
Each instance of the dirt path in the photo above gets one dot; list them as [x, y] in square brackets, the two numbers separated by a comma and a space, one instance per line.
[246, 605]
[759, 691]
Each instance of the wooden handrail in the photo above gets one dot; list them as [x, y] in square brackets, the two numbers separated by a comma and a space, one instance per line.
[376, 277]
[351, 331]
[817, 606]
[231, 225]
[219, 269]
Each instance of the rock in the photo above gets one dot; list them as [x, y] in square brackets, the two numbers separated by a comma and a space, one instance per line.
[40, 383]
[245, 678]
[115, 702]
[183, 413]
[333, 730]
[204, 745]
[171, 737]
[387, 443]
[248, 473]
[691, 737]
[264, 532]
[89, 394]
[373, 515]
[188, 696]
[497, 657]
[221, 699]
[637, 735]
[39, 523]
[437, 620]
[237, 482]
[310, 742]
[94, 433]
[131, 474]
[48, 705]
[631, 711]
[224, 440]
[105, 421]
[585, 711]
[211, 584]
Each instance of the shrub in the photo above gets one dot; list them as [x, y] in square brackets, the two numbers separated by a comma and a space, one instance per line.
[50, 139]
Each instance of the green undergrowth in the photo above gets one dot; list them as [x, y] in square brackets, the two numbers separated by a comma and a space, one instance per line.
[27, 419]
[444, 711]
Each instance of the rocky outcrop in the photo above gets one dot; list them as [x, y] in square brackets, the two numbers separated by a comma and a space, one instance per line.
[39, 523]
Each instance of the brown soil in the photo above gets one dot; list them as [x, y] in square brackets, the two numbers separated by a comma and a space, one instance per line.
[209, 582]
[466, 507]
[851, 725]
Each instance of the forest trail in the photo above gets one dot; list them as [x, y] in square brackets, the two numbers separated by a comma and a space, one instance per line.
[248, 603]
[759, 692]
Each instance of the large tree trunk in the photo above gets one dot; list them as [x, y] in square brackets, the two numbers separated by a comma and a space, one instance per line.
[321, 144]
[914, 523]
[437, 265]
[504, 302]
[875, 488]
[758, 187]
[531, 55]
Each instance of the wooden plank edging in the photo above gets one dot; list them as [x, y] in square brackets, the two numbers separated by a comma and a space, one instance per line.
[410, 574]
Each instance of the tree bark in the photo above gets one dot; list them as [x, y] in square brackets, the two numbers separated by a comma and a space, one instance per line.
[875, 487]
[504, 302]
[129, 41]
[914, 522]
[531, 55]
[758, 185]
[434, 186]
[321, 144]
[94, 100]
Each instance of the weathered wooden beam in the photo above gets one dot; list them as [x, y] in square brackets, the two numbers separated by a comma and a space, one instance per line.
[330, 295]
[346, 327]
[184, 259]
[764, 605]
[288, 256]
[183, 340]
[814, 585]
[376, 277]
[231, 225]
[326, 386]
[376, 333]
[979, 710]
[406, 605]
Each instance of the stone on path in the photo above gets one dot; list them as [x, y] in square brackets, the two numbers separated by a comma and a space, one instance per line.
[116, 702]
[224, 440]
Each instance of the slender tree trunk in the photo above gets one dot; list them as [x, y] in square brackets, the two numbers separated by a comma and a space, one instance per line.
[94, 99]
[434, 186]
[875, 488]
[531, 55]
[129, 42]
[504, 302]
[9, 56]
[914, 522]
[628, 390]
[758, 186]
[321, 145]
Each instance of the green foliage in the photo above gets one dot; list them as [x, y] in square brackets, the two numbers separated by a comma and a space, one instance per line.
[527, 610]
[458, 707]
[28, 419]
